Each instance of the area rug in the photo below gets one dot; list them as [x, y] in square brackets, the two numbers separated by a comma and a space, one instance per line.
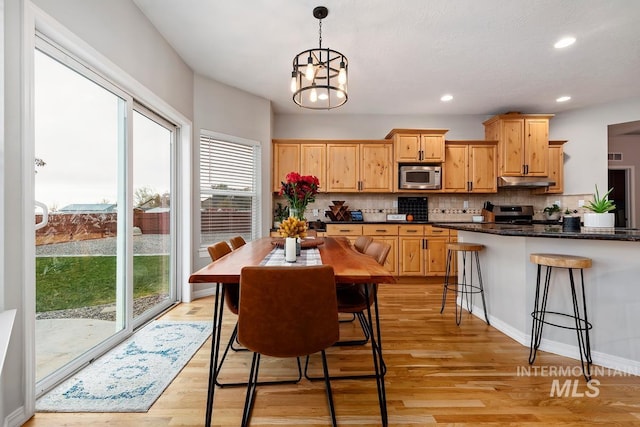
[130, 377]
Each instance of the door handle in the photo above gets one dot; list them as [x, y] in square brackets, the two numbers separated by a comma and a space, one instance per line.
[45, 215]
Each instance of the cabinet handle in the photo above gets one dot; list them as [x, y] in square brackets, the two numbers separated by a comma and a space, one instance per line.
[437, 231]
[411, 231]
[345, 231]
[381, 231]
[425, 244]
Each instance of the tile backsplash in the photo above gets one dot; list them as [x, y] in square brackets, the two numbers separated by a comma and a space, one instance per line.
[442, 207]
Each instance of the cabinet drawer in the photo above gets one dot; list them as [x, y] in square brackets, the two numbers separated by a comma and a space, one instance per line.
[379, 230]
[430, 230]
[411, 230]
[344, 230]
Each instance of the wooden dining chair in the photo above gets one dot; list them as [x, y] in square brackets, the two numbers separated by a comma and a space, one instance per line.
[362, 242]
[287, 312]
[236, 242]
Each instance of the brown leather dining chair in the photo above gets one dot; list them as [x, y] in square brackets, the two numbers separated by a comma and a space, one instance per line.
[362, 242]
[358, 299]
[236, 242]
[287, 312]
[232, 300]
[355, 299]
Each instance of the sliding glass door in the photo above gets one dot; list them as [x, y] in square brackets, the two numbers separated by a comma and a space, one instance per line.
[105, 259]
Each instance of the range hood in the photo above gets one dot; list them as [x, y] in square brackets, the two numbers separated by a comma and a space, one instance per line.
[524, 181]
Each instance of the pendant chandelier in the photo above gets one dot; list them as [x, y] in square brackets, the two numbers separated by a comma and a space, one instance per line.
[319, 76]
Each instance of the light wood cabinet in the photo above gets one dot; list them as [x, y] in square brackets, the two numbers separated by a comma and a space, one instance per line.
[436, 240]
[523, 143]
[422, 250]
[301, 157]
[313, 161]
[556, 169]
[359, 167]
[387, 234]
[470, 167]
[286, 158]
[418, 145]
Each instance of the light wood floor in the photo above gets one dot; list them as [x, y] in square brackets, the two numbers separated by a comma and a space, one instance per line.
[438, 373]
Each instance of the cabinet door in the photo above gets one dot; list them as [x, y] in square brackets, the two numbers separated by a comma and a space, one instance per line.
[286, 158]
[407, 147]
[432, 148]
[343, 167]
[512, 150]
[313, 159]
[483, 168]
[556, 171]
[375, 168]
[436, 256]
[455, 169]
[411, 255]
[391, 263]
[536, 146]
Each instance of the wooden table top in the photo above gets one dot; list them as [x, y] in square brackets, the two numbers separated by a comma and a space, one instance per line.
[349, 265]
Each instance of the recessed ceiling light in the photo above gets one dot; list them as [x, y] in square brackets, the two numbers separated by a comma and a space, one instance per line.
[446, 98]
[564, 42]
[563, 99]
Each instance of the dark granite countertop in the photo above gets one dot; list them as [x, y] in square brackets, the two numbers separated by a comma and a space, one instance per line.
[545, 230]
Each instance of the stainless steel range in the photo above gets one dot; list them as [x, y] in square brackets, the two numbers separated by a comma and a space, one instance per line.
[513, 214]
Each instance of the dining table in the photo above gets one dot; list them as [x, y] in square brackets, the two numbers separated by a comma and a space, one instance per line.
[349, 266]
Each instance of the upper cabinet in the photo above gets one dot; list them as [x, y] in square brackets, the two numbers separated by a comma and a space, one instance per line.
[286, 158]
[418, 145]
[359, 166]
[523, 143]
[470, 167]
[306, 158]
[556, 169]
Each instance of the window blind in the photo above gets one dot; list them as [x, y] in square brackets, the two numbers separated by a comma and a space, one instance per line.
[229, 202]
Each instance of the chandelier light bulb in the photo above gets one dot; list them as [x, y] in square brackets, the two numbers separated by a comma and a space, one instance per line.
[323, 96]
[340, 91]
[309, 72]
[294, 83]
[313, 96]
[342, 74]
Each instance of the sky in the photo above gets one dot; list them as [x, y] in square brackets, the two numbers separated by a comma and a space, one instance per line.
[76, 135]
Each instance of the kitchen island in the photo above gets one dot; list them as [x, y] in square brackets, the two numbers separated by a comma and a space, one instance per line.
[612, 286]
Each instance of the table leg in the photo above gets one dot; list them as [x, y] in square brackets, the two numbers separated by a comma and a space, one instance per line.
[376, 349]
[218, 310]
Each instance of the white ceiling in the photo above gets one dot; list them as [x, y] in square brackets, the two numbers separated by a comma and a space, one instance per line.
[493, 56]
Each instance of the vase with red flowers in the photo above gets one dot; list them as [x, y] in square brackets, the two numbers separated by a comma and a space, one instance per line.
[299, 190]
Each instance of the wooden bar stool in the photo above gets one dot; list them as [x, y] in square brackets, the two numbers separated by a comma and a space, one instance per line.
[582, 325]
[465, 289]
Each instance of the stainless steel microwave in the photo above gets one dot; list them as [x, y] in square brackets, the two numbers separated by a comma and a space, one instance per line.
[419, 177]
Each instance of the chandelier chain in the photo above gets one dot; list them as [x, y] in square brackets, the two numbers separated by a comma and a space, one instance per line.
[320, 32]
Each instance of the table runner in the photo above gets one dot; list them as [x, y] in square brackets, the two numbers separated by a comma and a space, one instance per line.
[307, 257]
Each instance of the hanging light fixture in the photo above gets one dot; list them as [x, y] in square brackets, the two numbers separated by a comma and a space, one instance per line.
[319, 76]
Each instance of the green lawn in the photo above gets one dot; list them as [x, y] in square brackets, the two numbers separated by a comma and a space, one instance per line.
[71, 282]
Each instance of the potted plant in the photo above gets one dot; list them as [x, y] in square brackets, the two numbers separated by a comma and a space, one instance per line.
[280, 214]
[600, 215]
[553, 212]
